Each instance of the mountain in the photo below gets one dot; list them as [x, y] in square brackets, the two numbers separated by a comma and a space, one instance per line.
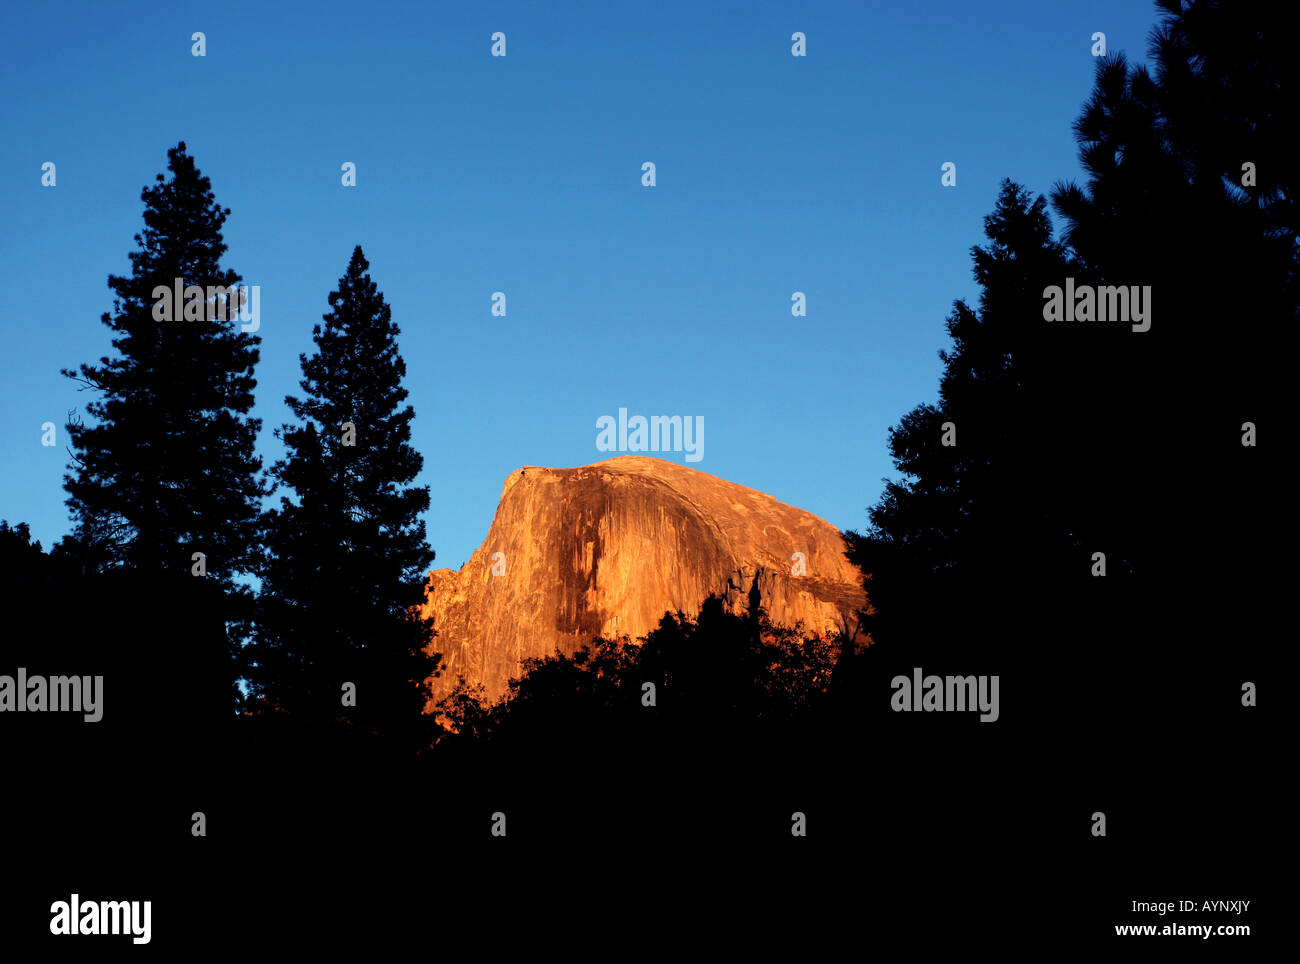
[606, 549]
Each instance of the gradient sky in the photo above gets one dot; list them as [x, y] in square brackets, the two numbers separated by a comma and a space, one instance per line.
[522, 174]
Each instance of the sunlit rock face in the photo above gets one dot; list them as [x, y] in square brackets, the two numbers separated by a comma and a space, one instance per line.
[606, 549]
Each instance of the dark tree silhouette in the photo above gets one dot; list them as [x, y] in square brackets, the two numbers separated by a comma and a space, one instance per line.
[166, 468]
[979, 521]
[347, 559]
[719, 674]
[691, 733]
[1074, 439]
[1189, 188]
[1169, 150]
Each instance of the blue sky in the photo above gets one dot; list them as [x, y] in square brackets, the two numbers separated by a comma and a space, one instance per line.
[522, 174]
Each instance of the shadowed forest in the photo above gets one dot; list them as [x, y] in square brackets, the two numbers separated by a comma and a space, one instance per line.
[1121, 687]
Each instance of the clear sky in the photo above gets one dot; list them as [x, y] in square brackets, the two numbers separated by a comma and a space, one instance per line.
[522, 174]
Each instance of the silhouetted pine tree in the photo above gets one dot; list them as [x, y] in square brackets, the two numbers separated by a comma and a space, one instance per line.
[1075, 438]
[167, 466]
[1189, 188]
[981, 523]
[348, 558]
[1166, 153]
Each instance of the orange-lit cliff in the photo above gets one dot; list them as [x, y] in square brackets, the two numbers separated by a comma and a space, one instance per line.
[605, 549]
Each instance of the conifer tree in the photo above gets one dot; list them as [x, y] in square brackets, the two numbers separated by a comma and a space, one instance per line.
[980, 509]
[347, 557]
[1189, 188]
[1075, 507]
[167, 468]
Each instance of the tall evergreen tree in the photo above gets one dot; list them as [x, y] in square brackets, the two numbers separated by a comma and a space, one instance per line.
[1076, 438]
[1166, 153]
[980, 509]
[1188, 188]
[348, 558]
[167, 468]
